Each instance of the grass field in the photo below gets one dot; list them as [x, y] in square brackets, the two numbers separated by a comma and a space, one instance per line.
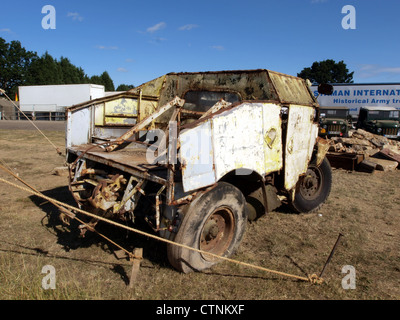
[364, 207]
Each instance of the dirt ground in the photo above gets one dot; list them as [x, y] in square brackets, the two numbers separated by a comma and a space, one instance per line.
[363, 207]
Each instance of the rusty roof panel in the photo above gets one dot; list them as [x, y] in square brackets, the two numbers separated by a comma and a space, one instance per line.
[259, 84]
[292, 89]
[250, 85]
[151, 88]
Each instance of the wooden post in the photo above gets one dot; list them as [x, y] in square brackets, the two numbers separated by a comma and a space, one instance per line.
[137, 258]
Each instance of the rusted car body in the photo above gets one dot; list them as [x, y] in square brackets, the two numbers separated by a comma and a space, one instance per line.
[197, 154]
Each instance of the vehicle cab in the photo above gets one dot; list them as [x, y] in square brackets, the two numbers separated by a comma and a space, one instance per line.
[334, 121]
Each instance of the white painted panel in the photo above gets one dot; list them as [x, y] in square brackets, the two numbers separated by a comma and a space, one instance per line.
[248, 136]
[78, 127]
[299, 138]
[238, 139]
[196, 155]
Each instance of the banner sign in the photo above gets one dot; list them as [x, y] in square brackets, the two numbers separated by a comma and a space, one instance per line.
[355, 96]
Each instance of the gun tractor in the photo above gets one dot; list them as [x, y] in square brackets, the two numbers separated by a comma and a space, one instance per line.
[196, 155]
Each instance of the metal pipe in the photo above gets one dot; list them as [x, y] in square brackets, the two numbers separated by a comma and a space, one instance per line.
[158, 203]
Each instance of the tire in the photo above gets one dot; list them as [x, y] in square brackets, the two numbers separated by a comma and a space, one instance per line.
[313, 188]
[214, 222]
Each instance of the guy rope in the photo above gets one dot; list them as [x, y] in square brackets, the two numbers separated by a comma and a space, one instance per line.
[67, 209]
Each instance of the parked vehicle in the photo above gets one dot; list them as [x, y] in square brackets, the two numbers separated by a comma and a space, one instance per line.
[196, 155]
[335, 122]
[380, 120]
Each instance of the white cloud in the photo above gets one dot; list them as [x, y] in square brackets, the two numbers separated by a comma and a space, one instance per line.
[75, 16]
[372, 70]
[156, 27]
[157, 40]
[122, 70]
[219, 48]
[129, 60]
[6, 30]
[107, 48]
[188, 27]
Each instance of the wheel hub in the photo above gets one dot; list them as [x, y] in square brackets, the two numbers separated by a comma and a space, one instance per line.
[310, 186]
[212, 231]
[217, 232]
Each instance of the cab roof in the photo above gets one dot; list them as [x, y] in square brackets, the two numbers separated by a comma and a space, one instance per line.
[258, 84]
[379, 108]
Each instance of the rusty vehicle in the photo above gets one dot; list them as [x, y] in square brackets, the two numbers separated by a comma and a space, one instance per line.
[195, 155]
[335, 122]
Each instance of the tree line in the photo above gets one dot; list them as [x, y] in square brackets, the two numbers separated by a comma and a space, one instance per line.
[21, 67]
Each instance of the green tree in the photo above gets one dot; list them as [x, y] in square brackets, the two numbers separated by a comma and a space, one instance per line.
[21, 67]
[44, 71]
[327, 71]
[96, 80]
[14, 63]
[107, 81]
[125, 87]
[70, 73]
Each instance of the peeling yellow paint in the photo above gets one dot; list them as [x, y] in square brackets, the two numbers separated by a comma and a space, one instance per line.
[124, 106]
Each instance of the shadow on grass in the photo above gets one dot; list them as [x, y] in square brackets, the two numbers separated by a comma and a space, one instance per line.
[122, 268]
[69, 235]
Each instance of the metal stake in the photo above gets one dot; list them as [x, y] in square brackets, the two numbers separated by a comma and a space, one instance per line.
[330, 256]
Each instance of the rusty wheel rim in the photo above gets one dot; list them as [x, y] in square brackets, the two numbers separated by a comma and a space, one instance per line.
[217, 232]
[311, 184]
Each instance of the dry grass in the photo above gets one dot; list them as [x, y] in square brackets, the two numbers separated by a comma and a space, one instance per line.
[363, 207]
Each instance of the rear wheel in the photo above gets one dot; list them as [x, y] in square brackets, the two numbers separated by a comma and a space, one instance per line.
[215, 223]
[313, 188]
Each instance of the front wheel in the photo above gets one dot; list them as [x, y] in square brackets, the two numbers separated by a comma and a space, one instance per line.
[215, 223]
[313, 188]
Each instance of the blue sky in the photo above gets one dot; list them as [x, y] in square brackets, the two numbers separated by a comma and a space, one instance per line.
[137, 41]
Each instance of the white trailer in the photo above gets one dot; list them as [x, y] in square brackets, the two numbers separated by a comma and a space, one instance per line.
[54, 99]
